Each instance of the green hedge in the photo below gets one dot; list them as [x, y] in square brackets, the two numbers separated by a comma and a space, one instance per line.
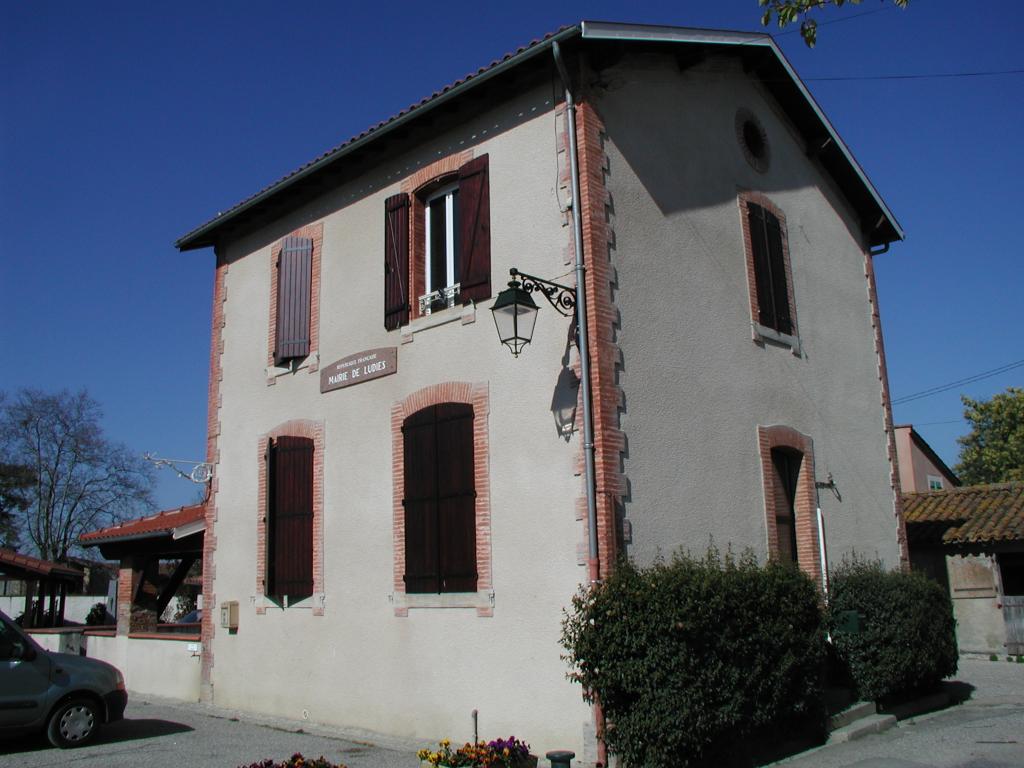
[691, 656]
[907, 638]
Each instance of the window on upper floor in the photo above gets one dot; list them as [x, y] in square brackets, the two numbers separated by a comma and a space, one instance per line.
[769, 274]
[935, 483]
[439, 499]
[441, 256]
[294, 288]
[437, 244]
[289, 524]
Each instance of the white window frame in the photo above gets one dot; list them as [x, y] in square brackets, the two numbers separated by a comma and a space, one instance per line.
[935, 478]
[449, 214]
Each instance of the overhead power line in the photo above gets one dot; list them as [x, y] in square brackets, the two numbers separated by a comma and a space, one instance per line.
[960, 382]
[922, 76]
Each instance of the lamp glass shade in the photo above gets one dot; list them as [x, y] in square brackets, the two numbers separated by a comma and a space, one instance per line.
[515, 314]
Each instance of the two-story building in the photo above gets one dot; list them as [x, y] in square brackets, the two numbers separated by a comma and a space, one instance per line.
[401, 509]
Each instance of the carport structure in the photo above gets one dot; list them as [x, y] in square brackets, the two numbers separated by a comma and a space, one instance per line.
[45, 580]
[140, 545]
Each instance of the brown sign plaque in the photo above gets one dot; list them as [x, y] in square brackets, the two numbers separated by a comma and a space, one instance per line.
[360, 367]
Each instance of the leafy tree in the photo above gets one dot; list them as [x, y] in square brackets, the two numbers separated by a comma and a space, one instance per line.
[789, 11]
[80, 480]
[993, 451]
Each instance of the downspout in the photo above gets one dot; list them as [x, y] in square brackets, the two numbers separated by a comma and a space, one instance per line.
[581, 320]
[593, 563]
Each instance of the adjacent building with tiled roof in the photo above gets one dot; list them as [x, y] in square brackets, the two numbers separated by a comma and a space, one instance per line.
[971, 539]
[175, 523]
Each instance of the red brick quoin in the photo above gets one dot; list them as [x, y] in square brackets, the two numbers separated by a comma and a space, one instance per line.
[477, 395]
[208, 628]
[807, 547]
[314, 430]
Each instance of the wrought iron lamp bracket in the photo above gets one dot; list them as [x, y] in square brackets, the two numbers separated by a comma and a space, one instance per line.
[561, 297]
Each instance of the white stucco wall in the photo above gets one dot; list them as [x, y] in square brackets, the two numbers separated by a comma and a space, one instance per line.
[168, 668]
[695, 385]
[360, 665]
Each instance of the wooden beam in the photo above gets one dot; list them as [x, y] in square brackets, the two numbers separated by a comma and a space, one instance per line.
[171, 587]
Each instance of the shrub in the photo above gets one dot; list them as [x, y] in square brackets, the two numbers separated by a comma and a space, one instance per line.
[907, 637]
[689, 657]
[97, 615]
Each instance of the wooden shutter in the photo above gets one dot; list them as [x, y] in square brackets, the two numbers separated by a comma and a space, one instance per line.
[294, 281]
[268, 523]
[474, 231]
[422, 573]
[440, 500]
[786, 466]
[780, 290]
[396, 261]
[762, 265]
[291, 518]
[456, 497]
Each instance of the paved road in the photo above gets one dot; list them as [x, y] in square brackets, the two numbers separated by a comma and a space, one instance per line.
[985, 732]
[159, 733]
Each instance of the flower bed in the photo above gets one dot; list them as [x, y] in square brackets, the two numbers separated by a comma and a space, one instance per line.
[499, 753]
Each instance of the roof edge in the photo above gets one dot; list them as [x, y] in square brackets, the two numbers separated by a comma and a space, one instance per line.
[193, 240]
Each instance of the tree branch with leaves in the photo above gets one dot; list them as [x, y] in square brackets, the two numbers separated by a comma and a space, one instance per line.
[787, 12]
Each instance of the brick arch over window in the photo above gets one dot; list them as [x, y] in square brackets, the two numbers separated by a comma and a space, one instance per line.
[312, 430]
[478, 396]
[787, 442]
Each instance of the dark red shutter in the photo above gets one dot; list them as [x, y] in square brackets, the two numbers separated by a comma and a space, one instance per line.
[780, 290]
[268, 522]
[456, 497]
[396, 261]
[474, 231]
[419, 433]
[787, 473]
[294, 281]
[291, 524]
[762, 265]
[440, 500]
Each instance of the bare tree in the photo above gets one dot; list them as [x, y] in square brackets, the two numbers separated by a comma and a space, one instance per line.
[80, 479]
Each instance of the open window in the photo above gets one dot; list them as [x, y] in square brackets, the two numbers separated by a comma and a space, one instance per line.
[437, 244]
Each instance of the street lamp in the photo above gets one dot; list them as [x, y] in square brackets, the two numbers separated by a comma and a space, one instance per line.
[515, 312]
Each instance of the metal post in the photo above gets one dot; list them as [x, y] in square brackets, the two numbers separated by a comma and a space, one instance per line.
[560, 758]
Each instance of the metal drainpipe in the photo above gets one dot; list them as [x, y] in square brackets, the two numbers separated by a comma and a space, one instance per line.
[581, 320]
[593, 567]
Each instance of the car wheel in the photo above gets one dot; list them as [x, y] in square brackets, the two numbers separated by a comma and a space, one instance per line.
[73, 723]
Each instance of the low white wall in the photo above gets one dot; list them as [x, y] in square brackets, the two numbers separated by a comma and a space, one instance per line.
[76, 607]
[73, 642]
[155, 666]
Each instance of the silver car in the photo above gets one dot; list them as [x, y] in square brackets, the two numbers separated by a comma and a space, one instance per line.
[66, 696]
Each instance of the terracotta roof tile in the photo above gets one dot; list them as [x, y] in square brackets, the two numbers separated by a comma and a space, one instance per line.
[159, 524]
[970, 515]
[36, 566]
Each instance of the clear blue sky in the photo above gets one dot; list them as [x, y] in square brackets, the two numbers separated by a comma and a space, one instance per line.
[124, 125]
